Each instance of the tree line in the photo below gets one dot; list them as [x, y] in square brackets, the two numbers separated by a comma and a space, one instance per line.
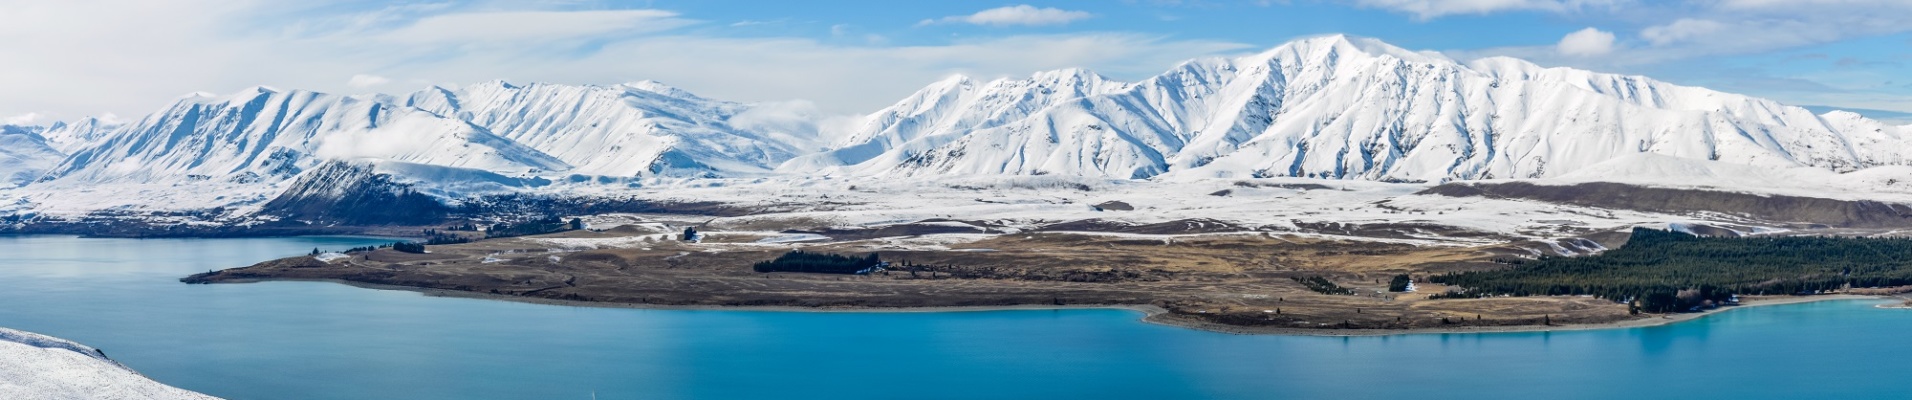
[1322, 285]
[825, 263]
[1399, 283]
[1664, 271]
[533, 227]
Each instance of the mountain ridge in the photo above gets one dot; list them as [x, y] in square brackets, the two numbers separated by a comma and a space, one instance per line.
[1326, 107]
[1335, 107]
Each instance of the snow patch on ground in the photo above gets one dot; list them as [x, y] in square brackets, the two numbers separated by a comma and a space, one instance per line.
[793, 238]
[36, 367]
[601, 243]
[938, 242]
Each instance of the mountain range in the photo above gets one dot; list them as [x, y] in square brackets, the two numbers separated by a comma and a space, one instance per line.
[1330, 107]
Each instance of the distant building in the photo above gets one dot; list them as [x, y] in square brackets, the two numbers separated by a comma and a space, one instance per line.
[879, 267]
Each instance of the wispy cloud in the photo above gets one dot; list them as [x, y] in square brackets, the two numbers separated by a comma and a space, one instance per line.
[1428, 9]
[22, 119]
[137, 57]
[536, 26]
[362, 81]
[1682, 30]
[1014, 15]
[1742, 26]
[1586, 43]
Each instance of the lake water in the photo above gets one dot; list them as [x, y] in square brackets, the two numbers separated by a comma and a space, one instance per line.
[305, 340]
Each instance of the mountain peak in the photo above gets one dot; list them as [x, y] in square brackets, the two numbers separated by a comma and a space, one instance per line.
[1328, 40]
[494, 83]
[1337, 106]
[1341, 44]
[255, 90]
[660, 88]
[947, 83]
[1068, 75]
[1503, 66]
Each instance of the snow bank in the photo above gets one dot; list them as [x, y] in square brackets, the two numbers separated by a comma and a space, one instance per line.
[35, 366]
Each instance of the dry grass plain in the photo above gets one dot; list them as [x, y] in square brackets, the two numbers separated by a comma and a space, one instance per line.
[1240, 280]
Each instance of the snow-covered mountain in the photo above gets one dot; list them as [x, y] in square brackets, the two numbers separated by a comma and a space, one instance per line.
[634, 129]
[69, 138]
[24, 155]
[35, 366]
[206, 151]
[1342, 108]
[1330, 107]
[262, 134]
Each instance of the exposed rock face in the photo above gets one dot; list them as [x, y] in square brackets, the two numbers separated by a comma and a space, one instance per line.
[348, 193]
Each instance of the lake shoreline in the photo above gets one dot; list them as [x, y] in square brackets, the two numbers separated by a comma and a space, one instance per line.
[1151, 314]
[1649, 320]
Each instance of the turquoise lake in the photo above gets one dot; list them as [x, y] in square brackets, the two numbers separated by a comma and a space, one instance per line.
[307, 340]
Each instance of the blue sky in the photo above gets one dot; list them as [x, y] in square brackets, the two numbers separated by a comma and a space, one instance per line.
[87, 57]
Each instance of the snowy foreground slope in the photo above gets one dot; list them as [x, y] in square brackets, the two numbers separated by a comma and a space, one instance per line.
[35, 367]
[1329, 111]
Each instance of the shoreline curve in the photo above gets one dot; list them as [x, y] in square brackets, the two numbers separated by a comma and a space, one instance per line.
[1151, 314]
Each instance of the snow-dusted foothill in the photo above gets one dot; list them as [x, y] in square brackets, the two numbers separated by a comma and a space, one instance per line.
[40, 367]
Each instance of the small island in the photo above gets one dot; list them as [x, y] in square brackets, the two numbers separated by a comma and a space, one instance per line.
[1231, 281]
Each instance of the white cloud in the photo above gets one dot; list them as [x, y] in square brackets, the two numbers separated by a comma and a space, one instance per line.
[1586, 43]
[1681, 30]
[1429, 9]
[1684, 41]
[362, 81]
[22, 119]
[1015, 15]
[1760, 4]
[535, 26]
[1751, 26]
[139, 56]
[1712, 28]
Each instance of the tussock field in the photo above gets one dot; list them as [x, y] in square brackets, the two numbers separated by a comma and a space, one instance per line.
[1246, 279]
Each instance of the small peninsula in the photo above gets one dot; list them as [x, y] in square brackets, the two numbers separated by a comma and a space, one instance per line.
[1225, 280]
